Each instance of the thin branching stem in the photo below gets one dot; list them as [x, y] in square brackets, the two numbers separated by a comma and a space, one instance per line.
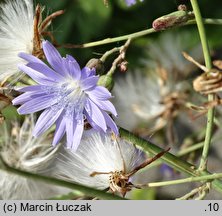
[136, 35]
[121, 57]
[208, 62]
[186, 180]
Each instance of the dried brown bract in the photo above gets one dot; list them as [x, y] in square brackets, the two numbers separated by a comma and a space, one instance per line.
[173, 104]
[208, 82]
[40, 29]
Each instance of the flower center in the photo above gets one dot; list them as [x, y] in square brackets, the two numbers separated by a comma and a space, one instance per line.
[70, 97]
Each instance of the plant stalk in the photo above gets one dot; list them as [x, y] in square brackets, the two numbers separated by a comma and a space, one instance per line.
[208, 62]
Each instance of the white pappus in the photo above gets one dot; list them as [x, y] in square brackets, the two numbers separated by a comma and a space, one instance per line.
[101, 162]
[21, 30]
[21, 150]
[16, 34]
[166, 52]
[137, 99]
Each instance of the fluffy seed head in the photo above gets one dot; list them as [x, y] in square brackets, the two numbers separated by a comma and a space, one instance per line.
[137, 99]
[21, 150]
[16, 34]
[97, 154]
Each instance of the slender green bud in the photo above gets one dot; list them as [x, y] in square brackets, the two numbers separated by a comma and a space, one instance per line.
[106, 81]
[176, 18]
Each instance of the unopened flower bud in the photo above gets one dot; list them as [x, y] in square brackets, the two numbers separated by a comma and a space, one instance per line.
[106, 81]
[173, 19]
[123, 66]
[97, 64]
[182, 7]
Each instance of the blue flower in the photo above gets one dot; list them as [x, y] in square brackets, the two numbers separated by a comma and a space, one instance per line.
[131, 2]
[68, 95]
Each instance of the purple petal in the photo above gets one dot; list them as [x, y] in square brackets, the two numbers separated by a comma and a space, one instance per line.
[60, 130]
[37, 104]
[89, 82]
[95, 114]
[99, 93]
[70, 58]
[105, 105]
[72, 68]
[91, 122]
[70, 127]
[87, 72]
[46, 120]
[74, 130]
[53, 57]
[47, 71]
[29, 58]
[39, 88]
[77, 136]
[111, 124]
[26, 97]
[130, 2]
[35, 75]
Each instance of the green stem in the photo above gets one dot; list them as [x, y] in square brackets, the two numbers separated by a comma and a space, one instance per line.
[117, 39]
[207, 21]
[181, 153]
[207, 58]
[168, 158]
[202, 32]
[108, 53]
[186, 180]
[190, 149]
[138, 34]
[120, 58]
[86, 190]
